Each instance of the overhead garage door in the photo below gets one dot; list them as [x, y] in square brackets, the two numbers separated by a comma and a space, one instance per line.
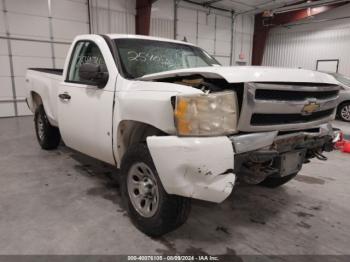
[209, 31]
[34, 33]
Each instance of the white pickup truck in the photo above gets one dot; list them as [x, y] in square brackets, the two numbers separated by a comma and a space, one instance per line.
[179, 125]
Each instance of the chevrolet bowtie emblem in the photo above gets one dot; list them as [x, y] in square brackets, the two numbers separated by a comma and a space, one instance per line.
[310, 108]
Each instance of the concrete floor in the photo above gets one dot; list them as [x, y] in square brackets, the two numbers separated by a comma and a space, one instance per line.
[61, 202]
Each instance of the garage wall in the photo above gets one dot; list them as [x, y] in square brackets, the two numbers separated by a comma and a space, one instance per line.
[243, 40]
[302, 45]
[209, 29]
[162, 19]
[38, 33]
[34, 35]
[113, 16]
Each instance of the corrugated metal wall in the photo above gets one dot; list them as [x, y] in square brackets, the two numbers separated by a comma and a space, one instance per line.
[211, 30]
[302, 45]
[113, 16]
[162, 19]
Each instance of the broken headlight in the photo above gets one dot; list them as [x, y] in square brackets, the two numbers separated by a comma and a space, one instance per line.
[206, 114]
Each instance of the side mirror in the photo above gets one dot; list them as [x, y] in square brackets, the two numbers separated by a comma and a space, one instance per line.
[94, 73]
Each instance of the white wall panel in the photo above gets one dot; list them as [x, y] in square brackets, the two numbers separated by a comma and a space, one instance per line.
[113, 16]
[223, 48]
[213, 32]
[23, 109]
[187, 29]
[206, 44]
[116, 5]
[223, 34]
[61, 50]
[32, 7]
[3, 47]
[302, 45]
[20, 64]
[223, 60]
[187, 15]
[162, 19]
[201, 28]
[4, 66]
[243, 38]
[6, 109]
[30, 49]
[206, 31]
[20, 86]
[64, 30]
[2, 23]
[30, 20]
[65, 9]
[28, 26]
[5, 87]
[59, 62]
[161, 27]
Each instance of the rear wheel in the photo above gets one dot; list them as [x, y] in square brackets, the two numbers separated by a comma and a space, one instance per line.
[273, 182]
[150, 208]
[48, 136]
[344, 111]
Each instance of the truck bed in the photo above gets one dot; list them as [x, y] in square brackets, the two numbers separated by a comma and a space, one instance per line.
[48, 70]
[44, 82]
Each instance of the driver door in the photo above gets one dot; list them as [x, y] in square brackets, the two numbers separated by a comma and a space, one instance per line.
[84, 107]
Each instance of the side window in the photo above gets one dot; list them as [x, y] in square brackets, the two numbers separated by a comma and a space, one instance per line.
[84, 52]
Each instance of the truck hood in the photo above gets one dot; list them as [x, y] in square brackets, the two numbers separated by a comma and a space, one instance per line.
[240, 74]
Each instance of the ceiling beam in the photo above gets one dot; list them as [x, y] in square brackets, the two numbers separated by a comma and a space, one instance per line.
[208, 6]
[209, 2]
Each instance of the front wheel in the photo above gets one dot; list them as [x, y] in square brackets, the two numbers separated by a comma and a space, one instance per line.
[48, 136]
[273, 182]
[150, 208]
[344, 111]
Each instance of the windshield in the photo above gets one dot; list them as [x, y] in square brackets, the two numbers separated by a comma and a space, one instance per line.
[141, 57]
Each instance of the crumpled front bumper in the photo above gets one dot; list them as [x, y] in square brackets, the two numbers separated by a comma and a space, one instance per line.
[202, 167]
[194, 167]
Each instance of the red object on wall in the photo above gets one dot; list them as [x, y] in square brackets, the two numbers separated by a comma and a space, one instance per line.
[241, 56]
[143, 16]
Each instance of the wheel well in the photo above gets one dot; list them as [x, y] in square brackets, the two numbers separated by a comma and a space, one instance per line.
[342, 103]
[37, 101]
[131, 132]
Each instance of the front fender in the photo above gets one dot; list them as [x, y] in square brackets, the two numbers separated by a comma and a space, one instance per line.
[149, 102]
[194, 167]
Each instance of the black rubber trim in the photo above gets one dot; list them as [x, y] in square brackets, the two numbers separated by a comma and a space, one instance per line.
[53, 71]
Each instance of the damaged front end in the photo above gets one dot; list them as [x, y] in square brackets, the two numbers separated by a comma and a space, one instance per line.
[282, 155]
[206, 168]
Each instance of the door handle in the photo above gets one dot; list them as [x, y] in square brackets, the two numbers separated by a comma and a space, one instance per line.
[64, 96]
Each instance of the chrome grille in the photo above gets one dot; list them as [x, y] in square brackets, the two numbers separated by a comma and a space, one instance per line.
[284, 106]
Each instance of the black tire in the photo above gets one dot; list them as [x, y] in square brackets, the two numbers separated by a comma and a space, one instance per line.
[171, 212]
[48, 136]
[343, 111]
[273, 182]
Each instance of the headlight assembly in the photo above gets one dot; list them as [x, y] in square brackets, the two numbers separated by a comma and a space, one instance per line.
[206, 114]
